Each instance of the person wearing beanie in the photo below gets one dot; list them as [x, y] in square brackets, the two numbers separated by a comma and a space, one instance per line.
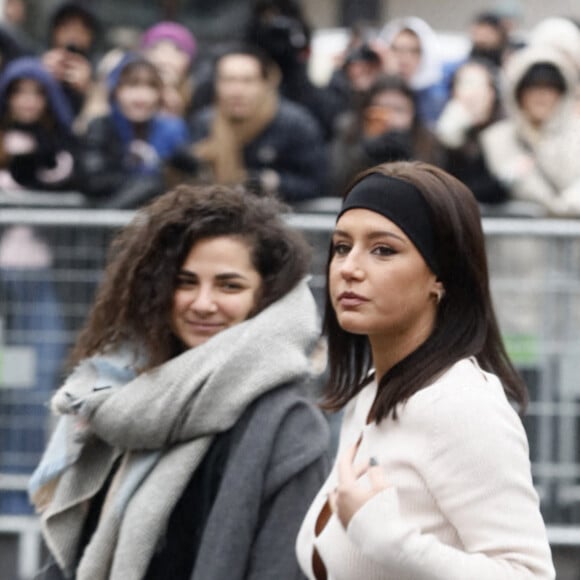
[172, 48]
[384, 127]
[541, 75]
[534, 151]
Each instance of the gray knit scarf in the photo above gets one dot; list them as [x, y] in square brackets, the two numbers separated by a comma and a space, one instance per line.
[161, 424]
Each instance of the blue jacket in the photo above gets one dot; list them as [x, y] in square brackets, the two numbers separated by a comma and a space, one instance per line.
[113, 174]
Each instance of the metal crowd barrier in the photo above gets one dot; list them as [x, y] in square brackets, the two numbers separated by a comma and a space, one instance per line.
[52, 262]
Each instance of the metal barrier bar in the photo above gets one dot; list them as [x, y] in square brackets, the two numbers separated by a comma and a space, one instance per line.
[321, 222]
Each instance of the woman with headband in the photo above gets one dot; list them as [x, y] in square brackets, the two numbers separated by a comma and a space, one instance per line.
[433, 477]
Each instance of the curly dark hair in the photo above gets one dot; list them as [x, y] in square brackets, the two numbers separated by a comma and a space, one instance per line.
[134, 300]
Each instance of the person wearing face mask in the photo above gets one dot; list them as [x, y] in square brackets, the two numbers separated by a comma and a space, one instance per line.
[385, 127]
[127, 151]
[188, 446]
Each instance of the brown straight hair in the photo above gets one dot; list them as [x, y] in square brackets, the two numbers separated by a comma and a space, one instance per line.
[465, 325]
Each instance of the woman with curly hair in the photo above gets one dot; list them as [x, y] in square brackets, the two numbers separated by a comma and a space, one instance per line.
[187, 445]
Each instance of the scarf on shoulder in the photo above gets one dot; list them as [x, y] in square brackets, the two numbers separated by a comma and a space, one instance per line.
[160, 423]
[223, 149]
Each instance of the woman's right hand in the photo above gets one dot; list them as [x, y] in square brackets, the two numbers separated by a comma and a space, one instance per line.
[353, 491]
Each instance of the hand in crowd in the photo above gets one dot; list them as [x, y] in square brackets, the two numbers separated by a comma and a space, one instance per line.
[69, 67]
[144, 153]
[19, 143]
[475, 95]
[63, 168]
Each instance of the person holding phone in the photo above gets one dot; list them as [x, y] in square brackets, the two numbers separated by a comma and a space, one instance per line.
[73, 34]
[475, 105]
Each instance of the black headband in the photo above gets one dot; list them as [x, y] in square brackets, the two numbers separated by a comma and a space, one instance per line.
[403, 204]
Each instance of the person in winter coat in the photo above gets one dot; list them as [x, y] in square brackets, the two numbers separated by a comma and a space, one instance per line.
[432, 480]
[475, 104]
[386, 127]
[560, 33]
[188, 445]
[253, 136]
[37, 151]
[282, 30]
[73, 35]
[37, 147]
[127, 151]
[413, 51]
[351, 80]
[534, 152]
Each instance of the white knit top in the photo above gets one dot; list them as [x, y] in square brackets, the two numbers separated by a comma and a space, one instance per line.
[462, 505]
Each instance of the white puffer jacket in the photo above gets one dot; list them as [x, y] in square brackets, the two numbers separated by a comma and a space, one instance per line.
[538, 164]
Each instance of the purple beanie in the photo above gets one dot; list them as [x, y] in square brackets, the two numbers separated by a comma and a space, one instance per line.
[172, 31]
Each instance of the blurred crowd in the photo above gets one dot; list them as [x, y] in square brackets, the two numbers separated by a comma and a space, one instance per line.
[121, 124]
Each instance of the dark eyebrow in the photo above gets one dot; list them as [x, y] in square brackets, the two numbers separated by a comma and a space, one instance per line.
[224, 276]
[230, 276]
[372, 235]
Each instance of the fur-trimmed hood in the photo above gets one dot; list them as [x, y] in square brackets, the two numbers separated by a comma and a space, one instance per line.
[519, 64]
